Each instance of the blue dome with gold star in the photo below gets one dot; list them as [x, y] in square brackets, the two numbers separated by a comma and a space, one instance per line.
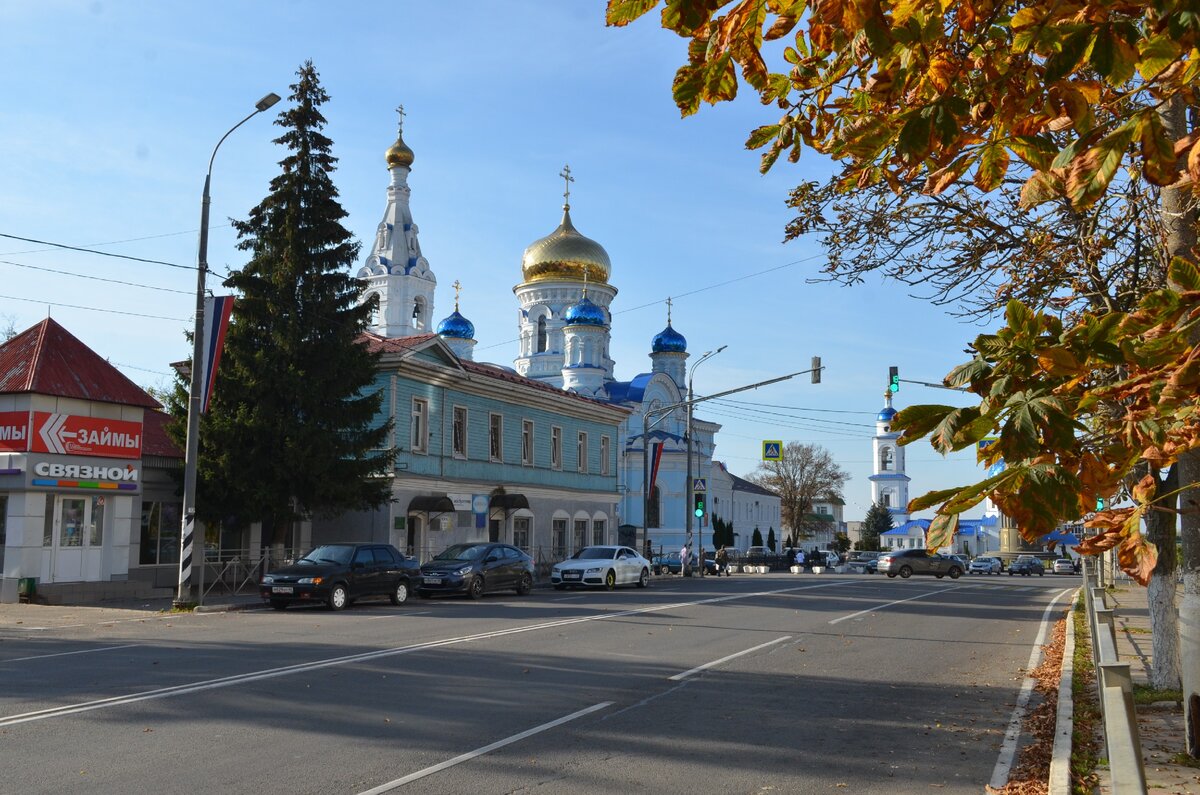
[668, 341]
[584, 313]
[887, 414]
[456, 326]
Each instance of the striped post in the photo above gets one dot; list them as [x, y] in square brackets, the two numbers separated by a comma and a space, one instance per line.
[184, 593]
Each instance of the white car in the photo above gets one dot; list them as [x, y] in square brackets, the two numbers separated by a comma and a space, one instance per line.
[602, 565]
[985, 565]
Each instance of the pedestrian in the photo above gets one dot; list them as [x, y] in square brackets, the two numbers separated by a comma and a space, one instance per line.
[800, 558]
[683, 561]
[722, 558]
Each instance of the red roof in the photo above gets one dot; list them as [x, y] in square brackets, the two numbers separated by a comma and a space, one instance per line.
[155, 440]
[46, 359]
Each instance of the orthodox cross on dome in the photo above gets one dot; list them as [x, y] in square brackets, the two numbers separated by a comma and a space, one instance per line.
[457, 289]
[400, 111]
[585, 275]
[668, 310]
[568, 179]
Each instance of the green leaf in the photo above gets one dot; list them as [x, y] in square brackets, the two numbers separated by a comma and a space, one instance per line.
[1073, 45]
[1157, 53]
[762, 136]
[941, 531]
[1184, 274]
[1091, 173]
[689, 82]
[933, 498]
[960, 428]
[1037, 152]
[622, 12]
[1158, 151]
[913, 143]
[1038, 189]
[917, 421]
[993, 165]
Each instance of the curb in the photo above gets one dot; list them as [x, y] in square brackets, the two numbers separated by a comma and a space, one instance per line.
[1064, 723]
[227, 608]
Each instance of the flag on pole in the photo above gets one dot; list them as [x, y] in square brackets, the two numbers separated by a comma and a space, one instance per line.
[217, 311]
[657, 448]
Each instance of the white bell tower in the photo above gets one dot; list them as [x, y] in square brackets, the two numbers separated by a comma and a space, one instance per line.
[889, 483]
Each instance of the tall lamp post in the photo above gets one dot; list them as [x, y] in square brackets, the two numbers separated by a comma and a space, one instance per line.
[184, 594]
[687, 433]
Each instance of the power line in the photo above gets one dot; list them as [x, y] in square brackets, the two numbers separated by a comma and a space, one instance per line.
[796, 408]
[793, 416]
[117, 242]
[93, 309]
[93, 278]
[100, 253]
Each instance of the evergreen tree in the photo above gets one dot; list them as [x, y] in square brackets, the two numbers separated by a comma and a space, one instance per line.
[294, 428]
[877, 522]
[771, 538]
[756, 538]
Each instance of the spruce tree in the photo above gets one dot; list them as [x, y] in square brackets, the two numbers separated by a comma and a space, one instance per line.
[877, 522]
[295, 427]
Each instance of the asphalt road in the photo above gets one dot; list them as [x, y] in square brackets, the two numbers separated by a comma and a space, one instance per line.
[741, 684]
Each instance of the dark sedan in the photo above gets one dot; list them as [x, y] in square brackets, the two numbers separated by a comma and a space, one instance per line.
[476, 569]
[338, 574]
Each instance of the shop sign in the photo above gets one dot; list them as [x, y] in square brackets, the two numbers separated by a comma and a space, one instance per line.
[101, 475]
[14, 431]
[462, 502]
[70, 434]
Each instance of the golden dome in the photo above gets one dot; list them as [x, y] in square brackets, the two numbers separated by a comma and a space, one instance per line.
[566, 254]
[399, 154]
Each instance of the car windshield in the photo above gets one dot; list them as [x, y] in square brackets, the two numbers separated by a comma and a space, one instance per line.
[461, 552]
[329, 553]
[595, 553]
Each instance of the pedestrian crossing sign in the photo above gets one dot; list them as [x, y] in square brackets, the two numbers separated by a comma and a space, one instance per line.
[699, 484]
[773, 450]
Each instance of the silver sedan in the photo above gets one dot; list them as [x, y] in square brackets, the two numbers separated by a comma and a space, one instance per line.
[607, 566]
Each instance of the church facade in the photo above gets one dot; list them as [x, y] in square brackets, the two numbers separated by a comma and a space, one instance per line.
[564, 321]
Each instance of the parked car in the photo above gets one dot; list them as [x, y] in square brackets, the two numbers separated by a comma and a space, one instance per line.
[671, 564]
[1026, 565]
[338, 574]
[762, 556]
[601, 565]
[907, 562]
[985, 565]
[864, 562]
[1064, 566]
[963, 560]
[476, 569]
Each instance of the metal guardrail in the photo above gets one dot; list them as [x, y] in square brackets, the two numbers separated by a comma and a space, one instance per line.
[1114, 690]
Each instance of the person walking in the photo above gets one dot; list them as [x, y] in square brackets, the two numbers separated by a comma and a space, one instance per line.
[722, 558]
[800, 558]
[683, 561]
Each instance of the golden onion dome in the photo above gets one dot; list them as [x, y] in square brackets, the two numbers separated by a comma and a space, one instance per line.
[565, 254]
[399, 154]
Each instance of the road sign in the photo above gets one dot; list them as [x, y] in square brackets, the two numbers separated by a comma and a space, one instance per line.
[773, 450]
[699, 484]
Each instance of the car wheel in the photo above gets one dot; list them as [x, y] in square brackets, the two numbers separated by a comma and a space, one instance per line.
[955, 573]
[560, 587]
[1041, 573]
[400, 595]
[1010, 572]
[475, 588]
[610, 580]
[279, 604]
[644, 580]
[905, 572]
[338, 598]
[525, 585]
[890, 574]
[939, 576]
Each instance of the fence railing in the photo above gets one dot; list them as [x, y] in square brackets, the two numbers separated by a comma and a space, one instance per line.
[237, 572]
[1114, 690]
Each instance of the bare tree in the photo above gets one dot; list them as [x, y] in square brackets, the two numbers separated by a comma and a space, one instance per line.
[807, 473]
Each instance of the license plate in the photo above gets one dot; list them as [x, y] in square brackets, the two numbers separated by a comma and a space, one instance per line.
[281, 589]
[432, 580]
[571, 575]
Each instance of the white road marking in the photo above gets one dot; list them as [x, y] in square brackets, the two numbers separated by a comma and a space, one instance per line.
[727, 658]
[67, 653]
[889, 604]
[458, 760]
[398, 615]
[1008, 749]
[272, 673]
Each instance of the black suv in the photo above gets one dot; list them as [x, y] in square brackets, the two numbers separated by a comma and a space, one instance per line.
[473, 569]
[337, 574]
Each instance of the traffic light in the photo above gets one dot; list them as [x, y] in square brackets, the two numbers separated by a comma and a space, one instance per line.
[699, 506]
[1099, 503]
[893, 379]
[816, 369]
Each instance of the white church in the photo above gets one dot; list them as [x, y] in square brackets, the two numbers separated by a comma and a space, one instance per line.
[565, 326]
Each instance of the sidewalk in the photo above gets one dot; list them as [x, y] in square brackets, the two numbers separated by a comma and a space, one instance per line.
[1160, 725]
[41, 617]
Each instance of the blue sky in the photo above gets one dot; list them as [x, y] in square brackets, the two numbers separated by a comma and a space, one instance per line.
[112, 110]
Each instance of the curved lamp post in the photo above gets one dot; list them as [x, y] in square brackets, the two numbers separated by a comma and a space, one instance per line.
[183, 595]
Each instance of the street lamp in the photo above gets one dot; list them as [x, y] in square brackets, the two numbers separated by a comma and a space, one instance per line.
[687, 433]
[183, 595]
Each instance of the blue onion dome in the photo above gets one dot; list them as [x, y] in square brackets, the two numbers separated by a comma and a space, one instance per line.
[584, 313]
[456, 326]
[668, 341]
[887, 414]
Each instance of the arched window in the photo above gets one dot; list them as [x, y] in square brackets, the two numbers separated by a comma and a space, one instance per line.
[541, 335]
[418, 313]
[652, 510]
[886, 459]
[376, 317]
[886, 499]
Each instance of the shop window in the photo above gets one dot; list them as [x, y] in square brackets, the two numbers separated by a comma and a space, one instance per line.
[96, 529]
[160, 533]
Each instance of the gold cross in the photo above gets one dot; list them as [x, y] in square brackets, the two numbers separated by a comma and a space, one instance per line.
[585, 275]
[400, 110]
[568, 179]
[457, 287]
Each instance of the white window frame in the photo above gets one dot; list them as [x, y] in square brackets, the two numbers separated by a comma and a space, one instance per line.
[496, 436]
[527, 449]
[418, 426]
[581, 451]
[605, 452]
[555, 447]
[455, 413]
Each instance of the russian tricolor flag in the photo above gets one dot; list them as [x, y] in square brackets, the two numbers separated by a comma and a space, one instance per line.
[217, 311]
